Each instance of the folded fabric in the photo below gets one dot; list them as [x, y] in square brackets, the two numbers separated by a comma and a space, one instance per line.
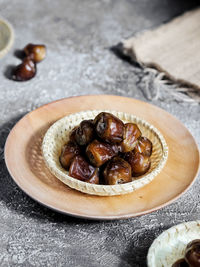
[172, 48]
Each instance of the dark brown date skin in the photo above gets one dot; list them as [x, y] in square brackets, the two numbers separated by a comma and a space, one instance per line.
[69, 151]
[193, 243]
[144, 146]
[117, 171]
[98, 152]
[130, 137]
[73, 134]
[82, 170]
[24, 71]
[36, 52]
[180, 263]
[192, 254]
[84, 134]
[140, 163]
[109, 128]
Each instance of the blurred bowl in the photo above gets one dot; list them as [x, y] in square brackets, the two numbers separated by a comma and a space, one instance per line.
[171, 244]
[6, 37]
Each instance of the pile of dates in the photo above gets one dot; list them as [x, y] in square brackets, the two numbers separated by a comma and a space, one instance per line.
[32, 54]
[106, 151]
[192, 255]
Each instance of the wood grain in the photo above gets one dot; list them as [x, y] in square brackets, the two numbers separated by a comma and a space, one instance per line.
[26, 166]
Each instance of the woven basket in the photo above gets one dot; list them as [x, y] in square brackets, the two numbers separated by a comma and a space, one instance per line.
[171, 244]
[57, 135]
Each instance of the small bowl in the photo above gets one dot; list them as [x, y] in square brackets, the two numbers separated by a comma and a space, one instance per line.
[6, 37]
[58, 134]
[170, 246]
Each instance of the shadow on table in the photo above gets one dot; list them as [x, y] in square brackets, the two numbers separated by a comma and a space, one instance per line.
[136, 252]
[14, 198]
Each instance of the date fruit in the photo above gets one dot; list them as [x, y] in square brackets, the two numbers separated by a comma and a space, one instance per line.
[144, 146]
[69, 151]
[130, 137]
[180, 263]
[82, 170]
[24, 71]
[192, 254]
[98, 152]
[117, 171]
[84, 134]
[140, 164]
[36, 52]
[109, 128]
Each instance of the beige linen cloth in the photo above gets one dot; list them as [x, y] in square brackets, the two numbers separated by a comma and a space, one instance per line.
[174, 49]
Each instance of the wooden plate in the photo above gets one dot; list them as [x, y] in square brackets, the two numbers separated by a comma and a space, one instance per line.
[25, 162]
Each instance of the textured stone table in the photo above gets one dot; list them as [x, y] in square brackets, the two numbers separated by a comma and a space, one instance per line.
[78, 35]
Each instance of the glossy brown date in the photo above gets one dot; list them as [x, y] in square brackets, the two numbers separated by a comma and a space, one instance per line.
[94, 179]
[116, 148]
[140, 164]
[69, 151]
[180, 263]
[109, 128]
[36, 52]
[98, 153]
[24, 71]
[72, 135]
[144, 146]
[84, 134]
[130, 137]
[117, 171]
[82, 170]
[192, 254]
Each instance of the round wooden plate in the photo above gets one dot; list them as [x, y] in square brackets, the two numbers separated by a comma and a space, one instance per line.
[26, 165]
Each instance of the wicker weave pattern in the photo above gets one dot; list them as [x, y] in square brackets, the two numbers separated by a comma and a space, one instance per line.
[170, 245]
[57, 136]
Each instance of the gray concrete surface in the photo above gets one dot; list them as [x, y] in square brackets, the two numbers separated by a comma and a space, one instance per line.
[78, 35]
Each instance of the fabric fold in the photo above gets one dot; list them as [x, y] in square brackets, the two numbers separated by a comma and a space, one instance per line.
[172, 48]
